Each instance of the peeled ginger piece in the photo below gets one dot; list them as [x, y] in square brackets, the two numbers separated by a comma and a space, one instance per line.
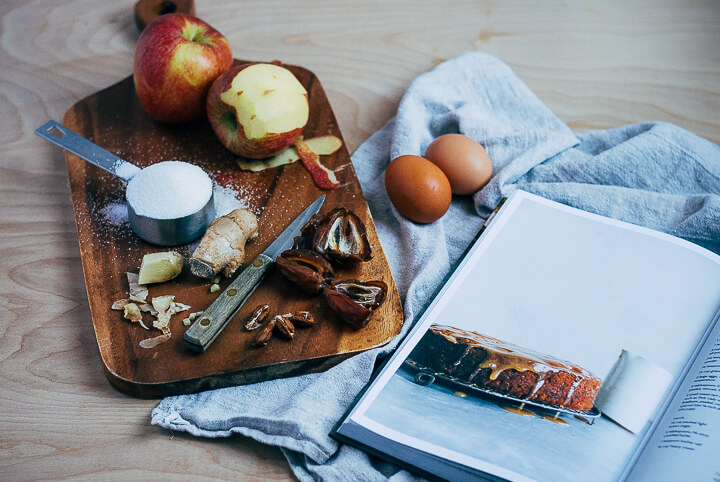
[160, 267]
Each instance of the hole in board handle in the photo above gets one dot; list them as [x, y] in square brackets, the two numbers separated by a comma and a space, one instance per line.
[56, 132]
[167, 7]
[205, 322]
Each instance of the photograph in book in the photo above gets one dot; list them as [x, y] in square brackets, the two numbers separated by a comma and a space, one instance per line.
[550, 350]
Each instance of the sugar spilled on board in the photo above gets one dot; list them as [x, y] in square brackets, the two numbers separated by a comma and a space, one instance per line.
[116, 214]
[226, 200]
[108, 221]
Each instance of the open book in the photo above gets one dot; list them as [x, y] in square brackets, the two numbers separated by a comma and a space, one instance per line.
[565, 346]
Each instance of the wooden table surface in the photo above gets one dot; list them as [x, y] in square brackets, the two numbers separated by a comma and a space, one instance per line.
[595, 64]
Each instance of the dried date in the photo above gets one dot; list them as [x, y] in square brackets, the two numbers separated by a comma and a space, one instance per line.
[354, 301]
[340, 236]
[306, 269]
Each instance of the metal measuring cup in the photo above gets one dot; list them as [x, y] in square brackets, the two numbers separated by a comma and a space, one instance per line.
[164, 232]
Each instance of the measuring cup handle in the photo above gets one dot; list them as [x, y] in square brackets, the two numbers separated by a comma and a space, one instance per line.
[62, 136]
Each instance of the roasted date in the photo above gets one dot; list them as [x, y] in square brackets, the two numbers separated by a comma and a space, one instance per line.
[340, 236]
[256, 317]
[354, 301]
[307, 269]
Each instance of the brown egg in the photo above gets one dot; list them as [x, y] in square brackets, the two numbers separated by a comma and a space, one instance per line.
[465, 162]
[417, 188]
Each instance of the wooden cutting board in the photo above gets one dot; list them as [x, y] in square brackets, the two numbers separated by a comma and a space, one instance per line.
[114, 119]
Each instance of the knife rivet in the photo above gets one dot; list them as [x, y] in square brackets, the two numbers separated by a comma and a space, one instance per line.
[231, 292]
[257, 262]
[205, 322]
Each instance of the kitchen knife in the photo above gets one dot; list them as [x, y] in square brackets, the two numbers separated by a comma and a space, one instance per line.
[212, 321]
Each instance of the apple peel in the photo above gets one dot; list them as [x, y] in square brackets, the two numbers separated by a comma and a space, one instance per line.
[323, 177]
[321, 145]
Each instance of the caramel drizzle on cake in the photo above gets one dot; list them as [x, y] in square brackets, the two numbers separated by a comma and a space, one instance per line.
[500, 356]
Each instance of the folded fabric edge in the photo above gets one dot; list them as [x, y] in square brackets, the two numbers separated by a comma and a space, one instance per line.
[171, 419]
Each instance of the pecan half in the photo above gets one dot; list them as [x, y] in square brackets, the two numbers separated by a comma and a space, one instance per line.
[265, 333]
[284, 327]
[302, 319]
[307, 269]
[256, 317]
[354, 301]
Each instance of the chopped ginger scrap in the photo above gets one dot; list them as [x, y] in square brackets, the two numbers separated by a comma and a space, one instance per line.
[161, 307]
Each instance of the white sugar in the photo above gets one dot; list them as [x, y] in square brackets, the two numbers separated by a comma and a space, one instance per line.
[169, 190]
[226, 201]
[125, 169]
[115, 213]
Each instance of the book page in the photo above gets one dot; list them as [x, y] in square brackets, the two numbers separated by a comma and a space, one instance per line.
[688, 434]
[563, 283]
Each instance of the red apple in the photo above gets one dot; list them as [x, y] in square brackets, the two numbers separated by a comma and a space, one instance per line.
[257, 110]
[177, 58]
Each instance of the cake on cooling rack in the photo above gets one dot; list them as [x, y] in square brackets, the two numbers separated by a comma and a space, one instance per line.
[504, 368]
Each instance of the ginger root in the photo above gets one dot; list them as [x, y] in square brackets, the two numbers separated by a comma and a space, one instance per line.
[222, 248]
[132, 312]
[160, 267]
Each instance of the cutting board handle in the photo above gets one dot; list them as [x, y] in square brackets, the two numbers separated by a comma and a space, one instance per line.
[148, 10]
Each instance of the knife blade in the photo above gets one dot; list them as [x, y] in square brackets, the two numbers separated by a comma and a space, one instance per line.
[214, 319]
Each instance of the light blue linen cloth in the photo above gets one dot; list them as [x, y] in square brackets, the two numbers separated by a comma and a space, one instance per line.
[653, 174]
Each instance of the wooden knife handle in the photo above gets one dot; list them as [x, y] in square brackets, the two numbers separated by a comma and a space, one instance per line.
[148, 10]
[209, 325]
